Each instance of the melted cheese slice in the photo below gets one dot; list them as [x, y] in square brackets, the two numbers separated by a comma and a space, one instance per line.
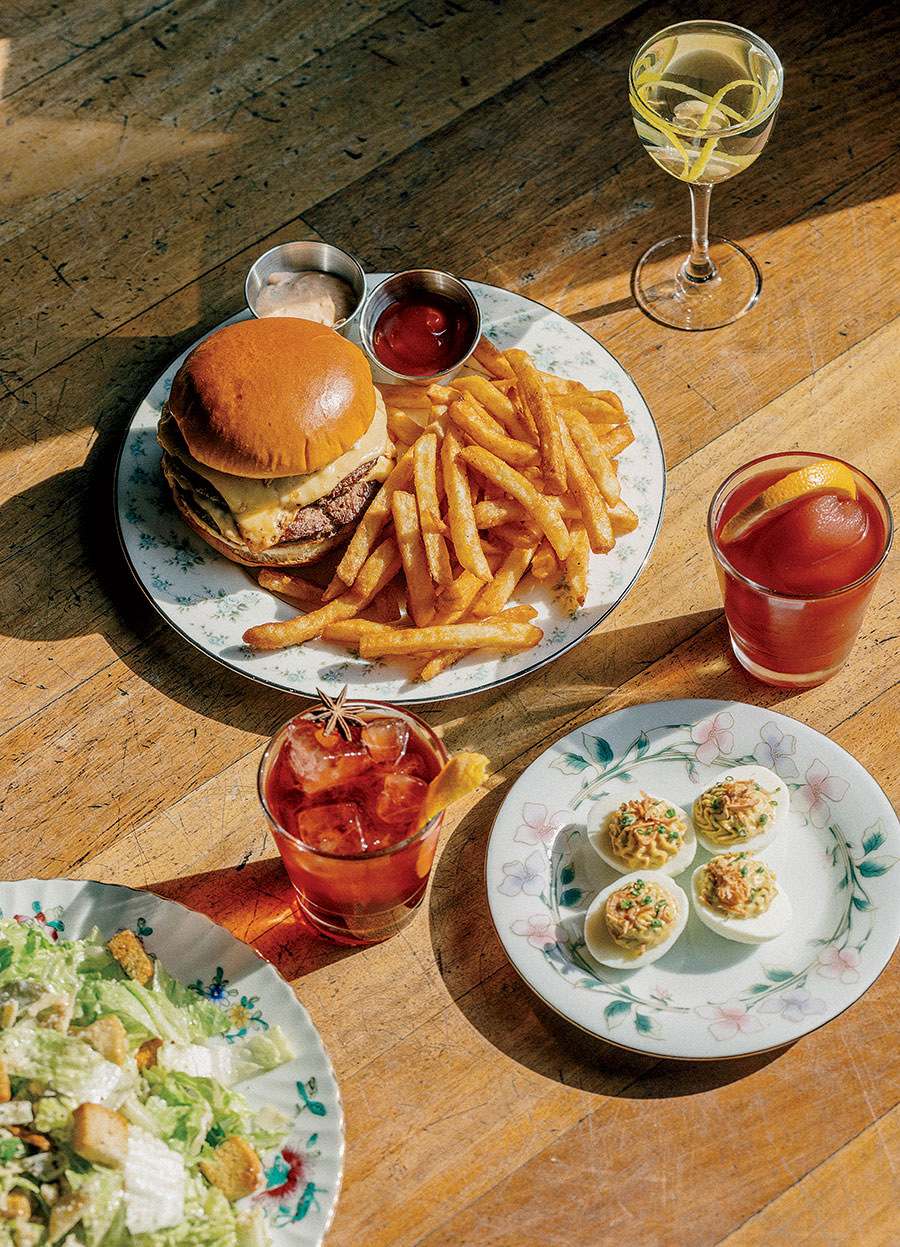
[262, 509]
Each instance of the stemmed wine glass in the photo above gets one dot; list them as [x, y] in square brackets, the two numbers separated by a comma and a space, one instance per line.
[703, 99]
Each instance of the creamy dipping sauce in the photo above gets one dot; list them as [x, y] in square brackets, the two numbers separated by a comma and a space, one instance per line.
[321, 297]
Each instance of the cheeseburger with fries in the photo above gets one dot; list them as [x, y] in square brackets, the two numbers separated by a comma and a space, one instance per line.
[274, 440]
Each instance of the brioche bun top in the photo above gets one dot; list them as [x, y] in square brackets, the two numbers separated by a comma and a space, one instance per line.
[272, 397]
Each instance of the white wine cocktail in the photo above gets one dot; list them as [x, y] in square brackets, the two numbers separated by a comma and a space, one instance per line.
[703, 98]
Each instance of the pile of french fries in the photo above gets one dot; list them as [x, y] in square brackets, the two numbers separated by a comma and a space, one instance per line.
[506, 472]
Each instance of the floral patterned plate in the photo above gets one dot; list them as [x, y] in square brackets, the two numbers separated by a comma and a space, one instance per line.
[303, 1179]
[707, 997]
[212, 602]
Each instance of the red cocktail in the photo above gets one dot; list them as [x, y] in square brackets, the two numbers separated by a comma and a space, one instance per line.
[797, 570]
[345, 814]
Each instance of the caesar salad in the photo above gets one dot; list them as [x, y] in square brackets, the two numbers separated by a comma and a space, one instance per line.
[120, 1121]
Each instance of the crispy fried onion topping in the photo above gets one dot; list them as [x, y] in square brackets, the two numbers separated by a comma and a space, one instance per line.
[737, 885]
[640, 915]
[646, 832]
[734, 811]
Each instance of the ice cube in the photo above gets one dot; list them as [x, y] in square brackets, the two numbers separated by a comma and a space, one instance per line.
[335, 828]
[400, 798]
[819, 545]
[385, 739]
[318, 768]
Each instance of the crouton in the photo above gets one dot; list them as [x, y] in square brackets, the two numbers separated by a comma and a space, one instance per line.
[5, 1089]
[66, 1213]
[148, 1054]
[129, 952]
[15, 1206]
[234, 1168]
[107, 1036]
[99, 1134]
[56, 1016]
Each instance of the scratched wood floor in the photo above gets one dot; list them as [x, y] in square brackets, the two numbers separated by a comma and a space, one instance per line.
[150, 152]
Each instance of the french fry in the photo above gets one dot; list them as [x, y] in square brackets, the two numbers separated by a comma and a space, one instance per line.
[595, 457]
[622, 518]
[486, 393]
[562, 385]
[419, 585]
[460, 509]
[404, 396]
[616, 440]
[440, 395]
[485, 634]
[368, 530]
[348, 631]
[482, 428]
[379, 569]
[493, 597]
[492, 512]
[427, 484]
[296, 631]
[458, 597]
[520, 535]
[593, 508]
[545, 565]
[289, 586]
[591, 404]
[439, 663]
[533, 394]
[577, 566]
[519, 487]
[402, 426]
[491, 359]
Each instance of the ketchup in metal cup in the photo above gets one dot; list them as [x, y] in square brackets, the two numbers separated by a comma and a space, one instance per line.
[422, 334]
[346, 816]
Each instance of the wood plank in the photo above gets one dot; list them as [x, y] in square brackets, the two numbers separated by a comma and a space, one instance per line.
[211, 182]
[851, 1197]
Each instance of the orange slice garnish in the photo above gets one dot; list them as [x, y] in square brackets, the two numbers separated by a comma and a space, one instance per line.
[823, 476]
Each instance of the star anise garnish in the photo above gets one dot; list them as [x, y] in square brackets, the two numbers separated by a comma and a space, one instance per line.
[336, 715]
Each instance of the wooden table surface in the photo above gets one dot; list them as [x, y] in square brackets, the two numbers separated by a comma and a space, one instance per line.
[152, 151]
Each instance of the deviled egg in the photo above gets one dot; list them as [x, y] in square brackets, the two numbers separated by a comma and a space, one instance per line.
[643, 832]
[738, 896]
[745, 809]
[635, 920]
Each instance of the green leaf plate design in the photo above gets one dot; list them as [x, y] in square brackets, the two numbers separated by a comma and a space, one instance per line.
[707, 997]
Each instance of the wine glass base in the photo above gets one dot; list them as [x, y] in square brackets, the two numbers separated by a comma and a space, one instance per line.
[662, 290]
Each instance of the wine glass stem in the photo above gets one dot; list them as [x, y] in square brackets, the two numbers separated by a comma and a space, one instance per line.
[698, 267]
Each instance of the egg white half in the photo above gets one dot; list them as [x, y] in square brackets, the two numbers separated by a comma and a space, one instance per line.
[772, 784]
[602, 946]
[599, 838]
[756, 930]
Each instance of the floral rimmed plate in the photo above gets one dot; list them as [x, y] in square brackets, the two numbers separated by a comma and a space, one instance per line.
[707, 997]
[303, 1179]
[212, 602]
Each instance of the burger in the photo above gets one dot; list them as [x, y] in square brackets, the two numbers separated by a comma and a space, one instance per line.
[274, 440]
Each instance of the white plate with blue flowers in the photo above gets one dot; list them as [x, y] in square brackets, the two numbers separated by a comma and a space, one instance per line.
[706, 997]
[303, 1179]
[212, 602]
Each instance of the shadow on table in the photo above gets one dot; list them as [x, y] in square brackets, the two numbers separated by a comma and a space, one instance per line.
[500, 1005]
[257, 904]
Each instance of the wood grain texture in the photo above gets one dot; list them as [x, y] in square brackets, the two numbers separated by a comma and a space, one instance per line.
[151, 152]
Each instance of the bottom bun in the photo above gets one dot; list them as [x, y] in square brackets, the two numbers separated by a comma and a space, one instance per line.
[285, 554]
